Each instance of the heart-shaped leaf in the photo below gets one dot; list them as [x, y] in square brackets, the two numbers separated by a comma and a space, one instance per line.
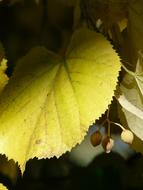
[50, 102]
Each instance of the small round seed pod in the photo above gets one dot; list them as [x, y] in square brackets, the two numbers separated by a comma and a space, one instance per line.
[107, 144]
[127, 136]
[96, 138]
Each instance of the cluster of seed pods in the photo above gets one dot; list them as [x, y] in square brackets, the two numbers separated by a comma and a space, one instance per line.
[107, 142]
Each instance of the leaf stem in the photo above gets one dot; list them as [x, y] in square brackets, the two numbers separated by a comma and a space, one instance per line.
[109, 128]
[128, 71]
[111, 122]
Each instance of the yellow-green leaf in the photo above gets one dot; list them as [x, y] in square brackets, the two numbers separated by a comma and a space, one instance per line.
[50, 102]
[3, 76]
[2, 187]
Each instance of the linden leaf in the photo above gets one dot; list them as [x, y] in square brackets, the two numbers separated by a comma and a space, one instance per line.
[139, 80]
[3, 67]
[2, 187]
[3, 76]
[132, 105]
[139, 73]
[49, 102]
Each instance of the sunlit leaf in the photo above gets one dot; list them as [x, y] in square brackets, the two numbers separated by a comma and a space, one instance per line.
[3, 76]
[50, 102]
[2, 187]
[3, 67]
